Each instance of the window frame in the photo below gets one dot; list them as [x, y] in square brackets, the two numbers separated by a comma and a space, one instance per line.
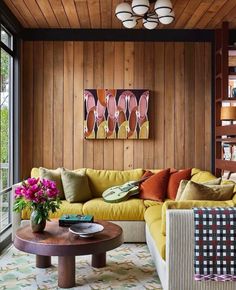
[14, 125]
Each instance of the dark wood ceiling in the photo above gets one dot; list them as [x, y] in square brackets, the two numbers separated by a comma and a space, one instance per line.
[202, 14]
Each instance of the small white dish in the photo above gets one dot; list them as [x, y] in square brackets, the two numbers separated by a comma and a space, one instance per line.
[86, 230]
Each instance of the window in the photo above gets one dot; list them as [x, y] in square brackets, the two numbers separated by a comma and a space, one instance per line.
[6, 123]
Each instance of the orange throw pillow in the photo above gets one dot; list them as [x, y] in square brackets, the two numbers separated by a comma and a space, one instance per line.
[154, 188]
[174, 181]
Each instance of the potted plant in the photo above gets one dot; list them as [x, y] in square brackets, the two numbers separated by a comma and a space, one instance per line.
[41, 196]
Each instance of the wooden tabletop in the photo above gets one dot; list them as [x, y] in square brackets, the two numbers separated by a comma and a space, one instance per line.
[58, 241]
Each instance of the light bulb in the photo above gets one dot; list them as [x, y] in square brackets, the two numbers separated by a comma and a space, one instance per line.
[150, 22]
[163, 7]
[123, 11]
[167, 19]
[130, 23]
[140, 7]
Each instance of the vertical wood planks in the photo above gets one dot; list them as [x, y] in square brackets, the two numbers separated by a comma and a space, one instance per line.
[149, 77]
[199, 105]
[38, 104]
[109, 49]
[48, 105]
[139, 66]
[119, 84]
[129, 84]
[207, 149]
[55, 74]
[159, 90]
[27, 122]
[88, 83]
[169, 105]
[68, 104]
[179, 106]
[58, 103]
[189, 92]
[98, 145]
[78, 105]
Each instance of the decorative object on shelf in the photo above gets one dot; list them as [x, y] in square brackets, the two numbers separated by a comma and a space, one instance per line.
[151, 14]
[228, 113]
[233, 92]
[116, 114]
[41, 196]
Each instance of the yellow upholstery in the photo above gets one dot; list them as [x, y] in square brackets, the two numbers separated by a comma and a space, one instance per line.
[159, 238]
[100, 180]
[195, 171]
[148, 202]
[65, 208]
[189, 204]
[153, 213]
[202, 176]
[129, 210]
[34, 172]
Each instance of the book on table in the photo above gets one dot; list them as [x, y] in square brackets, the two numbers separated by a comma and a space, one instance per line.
[67, 220]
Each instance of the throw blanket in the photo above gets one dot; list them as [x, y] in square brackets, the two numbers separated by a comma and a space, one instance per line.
[215, 244]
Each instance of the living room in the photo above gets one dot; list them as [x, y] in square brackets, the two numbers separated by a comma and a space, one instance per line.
[136, 95]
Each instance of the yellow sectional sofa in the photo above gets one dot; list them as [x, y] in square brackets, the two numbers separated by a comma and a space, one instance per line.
[141, 220]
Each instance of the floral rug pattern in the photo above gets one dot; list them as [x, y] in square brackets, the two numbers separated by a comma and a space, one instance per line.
[128, 267]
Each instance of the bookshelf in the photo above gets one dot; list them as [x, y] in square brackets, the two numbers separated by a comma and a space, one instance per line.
[225, 74]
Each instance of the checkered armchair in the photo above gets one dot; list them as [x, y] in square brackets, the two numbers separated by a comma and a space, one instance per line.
[180, 255]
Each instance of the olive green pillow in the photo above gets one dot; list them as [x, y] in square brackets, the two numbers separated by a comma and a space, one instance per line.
[184, 182]
[196, 191]
[75, 185]
[54, 175]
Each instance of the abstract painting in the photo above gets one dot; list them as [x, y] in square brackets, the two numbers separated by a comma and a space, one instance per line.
[116, 114]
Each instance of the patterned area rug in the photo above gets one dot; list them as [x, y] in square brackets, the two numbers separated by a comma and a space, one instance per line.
[128, 267]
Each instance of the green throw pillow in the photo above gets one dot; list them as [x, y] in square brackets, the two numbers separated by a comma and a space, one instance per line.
[196, 191]
[75, 185]
[54, 175]
[184, 182]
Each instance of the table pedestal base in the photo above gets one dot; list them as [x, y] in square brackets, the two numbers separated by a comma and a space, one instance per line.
[99, 260]
[43, 261]
[66, 271]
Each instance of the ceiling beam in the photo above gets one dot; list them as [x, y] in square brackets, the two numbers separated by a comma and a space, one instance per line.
[193, 35]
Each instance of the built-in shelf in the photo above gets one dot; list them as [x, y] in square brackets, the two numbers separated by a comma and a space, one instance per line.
[226, 140]
[225, 165]
[228, 100]
[228, 130]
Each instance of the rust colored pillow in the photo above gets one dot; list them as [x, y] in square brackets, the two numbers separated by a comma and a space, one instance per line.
[174, 181]
[154, 188]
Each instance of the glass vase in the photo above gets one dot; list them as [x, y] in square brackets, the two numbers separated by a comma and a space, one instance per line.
[37, 227]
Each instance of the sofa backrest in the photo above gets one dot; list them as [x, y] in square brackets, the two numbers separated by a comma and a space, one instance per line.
[100, 180]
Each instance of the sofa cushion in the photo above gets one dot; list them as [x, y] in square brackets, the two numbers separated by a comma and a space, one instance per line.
[75, 185]
[202, 176]
[154, 188]
[131, 209]
[100, 180]
[174, 182]
[189, 204]
[153, 213]
[54, 175]
[183, 184]
[65, 208]
[149, 203]
[197, 191]
[159, 238]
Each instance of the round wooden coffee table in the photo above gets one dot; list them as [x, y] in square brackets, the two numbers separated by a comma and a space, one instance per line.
[58, 241]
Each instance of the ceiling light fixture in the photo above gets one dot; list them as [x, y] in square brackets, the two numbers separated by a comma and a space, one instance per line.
[152, 15]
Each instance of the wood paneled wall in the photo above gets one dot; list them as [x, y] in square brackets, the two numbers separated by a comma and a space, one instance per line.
[55, 74]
